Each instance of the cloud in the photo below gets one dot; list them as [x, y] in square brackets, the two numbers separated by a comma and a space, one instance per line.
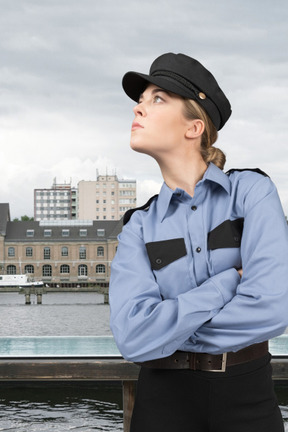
[63, 113]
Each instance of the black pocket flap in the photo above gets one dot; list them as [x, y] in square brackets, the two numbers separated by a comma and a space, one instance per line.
[226, 235]
[162, 253]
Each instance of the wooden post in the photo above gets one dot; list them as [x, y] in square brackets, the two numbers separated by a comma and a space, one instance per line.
[27, 299]
[39, 298]
[128, 403]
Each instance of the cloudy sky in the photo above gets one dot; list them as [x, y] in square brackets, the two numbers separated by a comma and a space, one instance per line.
[63, 113]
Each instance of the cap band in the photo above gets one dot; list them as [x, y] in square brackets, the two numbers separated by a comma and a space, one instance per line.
[177, 78]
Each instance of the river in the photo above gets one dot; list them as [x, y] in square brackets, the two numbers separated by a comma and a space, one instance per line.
[74, 407]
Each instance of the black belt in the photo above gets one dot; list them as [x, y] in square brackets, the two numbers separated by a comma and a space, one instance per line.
[208, 362]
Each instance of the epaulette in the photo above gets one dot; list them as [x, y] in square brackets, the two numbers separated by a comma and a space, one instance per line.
[129, 213]
[259, 171]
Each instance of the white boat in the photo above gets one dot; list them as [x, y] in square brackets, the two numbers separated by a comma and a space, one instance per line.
[18, 281]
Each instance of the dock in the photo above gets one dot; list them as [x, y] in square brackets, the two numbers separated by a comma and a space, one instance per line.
[64, 359]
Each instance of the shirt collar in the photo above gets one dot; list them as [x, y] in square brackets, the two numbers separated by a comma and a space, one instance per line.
[212, 174]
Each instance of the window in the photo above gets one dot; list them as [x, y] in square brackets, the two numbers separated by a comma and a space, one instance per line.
[29, 268]
[65, 232]
[29, 251]
[11, 269]
[47, 270]
[83, 232]
[64, 269]
[30, 233]
[82, 270]
[100, 251]
[46, 253]
[64, 251]
[100, 268]
[100, 232]
[11, 252]
[82, 252]
[47, 233]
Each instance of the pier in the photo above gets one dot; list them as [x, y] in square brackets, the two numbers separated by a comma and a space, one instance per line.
[64, 359]
[37, 292]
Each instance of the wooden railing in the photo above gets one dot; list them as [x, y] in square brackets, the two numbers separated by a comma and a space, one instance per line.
[56, 359]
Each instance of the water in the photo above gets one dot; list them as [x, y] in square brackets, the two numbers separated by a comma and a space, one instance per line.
[61, 314]
[63, 408]
[74, 407]
[67, 407]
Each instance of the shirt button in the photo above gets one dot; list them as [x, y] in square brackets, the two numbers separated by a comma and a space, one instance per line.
[198, 250]
[158, 261]
[194, 208]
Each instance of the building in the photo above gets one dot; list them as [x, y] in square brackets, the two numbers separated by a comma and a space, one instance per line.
[57, 203]
[107, 198]
[71, 253]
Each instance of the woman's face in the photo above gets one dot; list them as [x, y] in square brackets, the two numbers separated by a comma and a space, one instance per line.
[159, 125]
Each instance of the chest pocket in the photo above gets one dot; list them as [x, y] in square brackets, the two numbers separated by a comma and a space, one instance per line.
[224, 243]
[226, 235]
[162, 253]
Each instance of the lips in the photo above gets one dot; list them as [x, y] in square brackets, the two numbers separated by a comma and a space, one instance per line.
[136, 125]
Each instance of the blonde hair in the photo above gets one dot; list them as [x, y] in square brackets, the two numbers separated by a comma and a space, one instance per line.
[192, 110]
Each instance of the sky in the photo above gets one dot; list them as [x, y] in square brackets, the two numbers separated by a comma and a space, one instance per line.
[64, 115]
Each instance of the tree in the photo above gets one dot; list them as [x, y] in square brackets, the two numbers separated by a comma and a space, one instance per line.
[23, 218]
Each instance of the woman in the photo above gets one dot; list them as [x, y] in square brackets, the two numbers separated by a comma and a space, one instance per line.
[198, 284]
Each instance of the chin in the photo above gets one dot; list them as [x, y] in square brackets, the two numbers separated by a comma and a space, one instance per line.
[137, 147]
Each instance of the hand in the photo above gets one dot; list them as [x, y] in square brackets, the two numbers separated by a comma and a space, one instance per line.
[240, 271]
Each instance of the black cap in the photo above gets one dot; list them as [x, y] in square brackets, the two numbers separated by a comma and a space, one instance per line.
[186, 77]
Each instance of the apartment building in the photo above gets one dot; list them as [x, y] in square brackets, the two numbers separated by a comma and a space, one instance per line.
[56, 203]
[107, 198]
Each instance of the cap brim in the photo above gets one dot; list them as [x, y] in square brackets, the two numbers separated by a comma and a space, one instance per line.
[134, 84]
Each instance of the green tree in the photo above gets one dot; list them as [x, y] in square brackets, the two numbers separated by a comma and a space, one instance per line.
[23, 218]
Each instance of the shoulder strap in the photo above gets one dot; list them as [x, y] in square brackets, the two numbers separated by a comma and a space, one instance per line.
[129, 213]
[259, 171]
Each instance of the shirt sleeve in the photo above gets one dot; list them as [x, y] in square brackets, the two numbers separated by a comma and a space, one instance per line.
[258, 311]
[144, 325]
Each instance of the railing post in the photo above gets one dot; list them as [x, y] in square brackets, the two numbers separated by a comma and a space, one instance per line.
[128, 403]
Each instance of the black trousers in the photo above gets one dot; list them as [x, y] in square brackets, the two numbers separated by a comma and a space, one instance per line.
[242, 399]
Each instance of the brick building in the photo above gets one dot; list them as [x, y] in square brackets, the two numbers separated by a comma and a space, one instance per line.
[65, 253]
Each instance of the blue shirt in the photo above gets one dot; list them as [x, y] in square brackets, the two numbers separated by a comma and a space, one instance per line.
[174, 283]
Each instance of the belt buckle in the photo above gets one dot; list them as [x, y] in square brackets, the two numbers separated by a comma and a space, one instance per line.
[223, 364]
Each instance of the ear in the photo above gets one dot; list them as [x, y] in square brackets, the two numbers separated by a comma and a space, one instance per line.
[196, 129]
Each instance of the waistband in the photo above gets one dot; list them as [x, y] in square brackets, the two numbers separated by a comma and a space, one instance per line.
[208, 362]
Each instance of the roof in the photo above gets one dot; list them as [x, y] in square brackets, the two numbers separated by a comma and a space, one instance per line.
[17, 231]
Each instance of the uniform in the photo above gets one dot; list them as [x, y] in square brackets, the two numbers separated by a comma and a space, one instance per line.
[175, 287]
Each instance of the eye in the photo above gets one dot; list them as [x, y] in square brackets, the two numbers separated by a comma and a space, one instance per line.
[157, 99]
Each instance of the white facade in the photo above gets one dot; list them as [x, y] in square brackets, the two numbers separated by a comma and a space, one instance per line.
[57, 203]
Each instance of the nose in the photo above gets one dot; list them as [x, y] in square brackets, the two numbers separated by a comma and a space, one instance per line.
[139, 109]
